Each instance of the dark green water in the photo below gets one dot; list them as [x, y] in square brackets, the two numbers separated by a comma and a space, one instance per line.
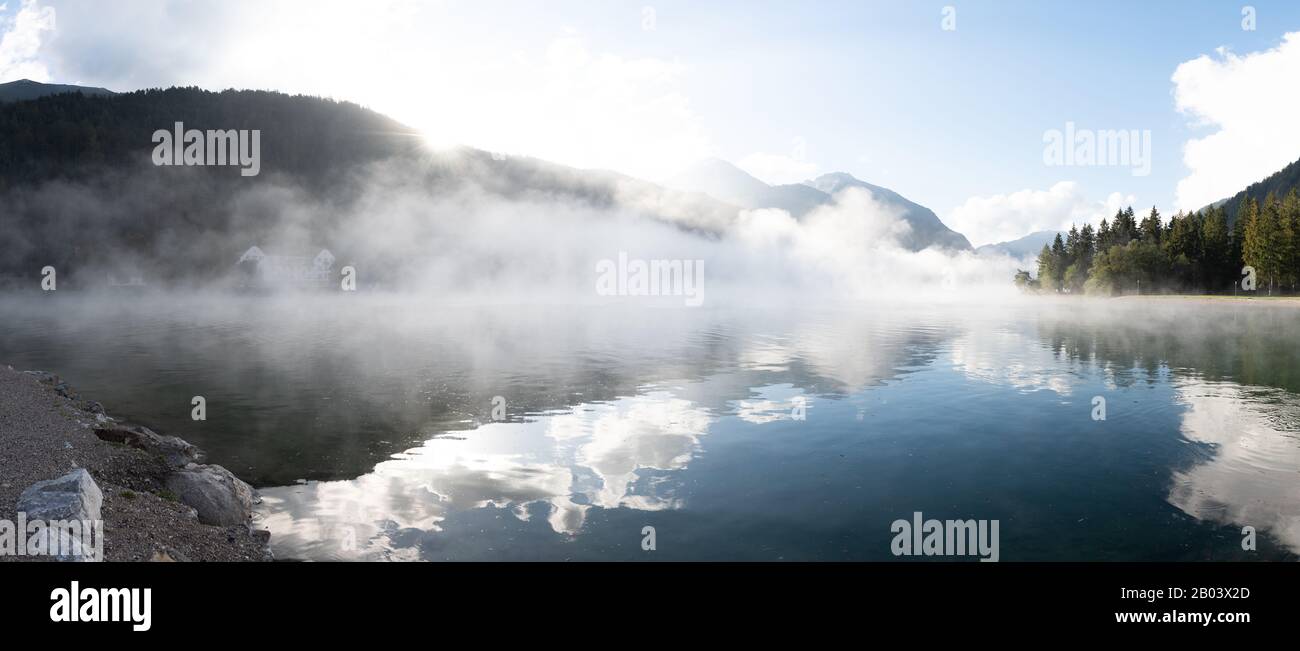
[368, 424]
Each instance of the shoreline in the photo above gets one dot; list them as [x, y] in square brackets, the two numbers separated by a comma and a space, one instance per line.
[155, 490]
[1291, 301]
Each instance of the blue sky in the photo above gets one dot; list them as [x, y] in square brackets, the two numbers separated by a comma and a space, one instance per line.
[880, 90]
[954, 120]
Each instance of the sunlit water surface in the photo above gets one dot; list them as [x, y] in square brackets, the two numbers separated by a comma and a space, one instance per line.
[800, 433]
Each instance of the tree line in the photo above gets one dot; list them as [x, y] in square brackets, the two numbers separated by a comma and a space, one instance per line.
[1202, 251]
[78, 189]
[71, 135]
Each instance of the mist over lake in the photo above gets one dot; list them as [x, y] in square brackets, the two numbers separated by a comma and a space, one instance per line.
[987, 313]
[367, 422]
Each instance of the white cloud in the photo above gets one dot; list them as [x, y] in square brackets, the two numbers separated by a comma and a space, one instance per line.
[1003, 217]
[777, 169]
[1252, 100]
[21, 38]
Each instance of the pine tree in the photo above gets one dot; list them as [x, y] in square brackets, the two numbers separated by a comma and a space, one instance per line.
[1124, 230]
[1087, 244]
[1072, 245]
[1216, 249]
[1237, 251]
[1081, 245]
[1045, 271]
[1183, 247]
[1103, 236]
[1262, 248]
[1052, 263]
[1151, 227]
[1290, 226]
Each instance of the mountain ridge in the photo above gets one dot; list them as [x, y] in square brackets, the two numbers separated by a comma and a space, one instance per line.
[1278, 183]
[187, 223]
[727, 182]
[926, 225]
[1021, 247]
[25, 89]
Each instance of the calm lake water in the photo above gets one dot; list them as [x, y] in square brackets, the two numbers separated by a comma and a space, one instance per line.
[368, 424]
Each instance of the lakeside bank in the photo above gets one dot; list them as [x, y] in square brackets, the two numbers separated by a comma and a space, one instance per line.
[159, 502]
[1215, 299]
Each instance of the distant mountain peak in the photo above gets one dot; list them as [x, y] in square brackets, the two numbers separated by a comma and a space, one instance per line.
[833, 177]
[927, 228]
[26, 89]
[719, 167]
[1022, 247]
[724, 180]
[833, 182]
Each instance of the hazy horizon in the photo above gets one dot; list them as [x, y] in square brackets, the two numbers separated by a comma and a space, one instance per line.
[648, 89]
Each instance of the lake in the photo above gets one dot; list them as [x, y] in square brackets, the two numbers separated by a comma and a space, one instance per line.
[399, 428]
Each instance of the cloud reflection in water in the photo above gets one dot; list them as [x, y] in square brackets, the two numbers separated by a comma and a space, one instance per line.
[605, 455]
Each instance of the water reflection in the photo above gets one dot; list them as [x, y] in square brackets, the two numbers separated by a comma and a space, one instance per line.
[773, 403]
[686, 420]
[1233, 373]
[1250, 474]
[610, 455]
[1007, 357]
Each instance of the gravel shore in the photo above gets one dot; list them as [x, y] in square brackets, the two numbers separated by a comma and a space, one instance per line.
[45, 434]
[1215, 299]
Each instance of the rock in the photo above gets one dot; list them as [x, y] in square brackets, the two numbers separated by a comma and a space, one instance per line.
[220, 497]
[126, 434]
[61, 387]
[167, 555]
[44, 377]
[262, 536]
[74, 496]
[94, 407]
[263, 539]
[177, 452]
